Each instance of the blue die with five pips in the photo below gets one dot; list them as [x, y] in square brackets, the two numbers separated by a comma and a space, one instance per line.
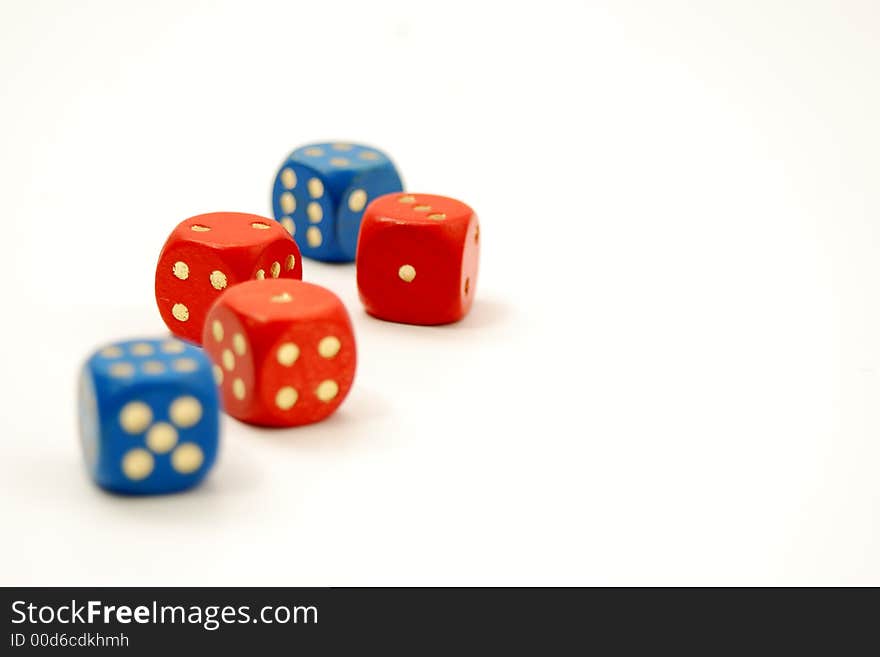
[149, 416]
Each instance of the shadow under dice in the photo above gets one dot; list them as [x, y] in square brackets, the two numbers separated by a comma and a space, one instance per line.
[208, 253]
[283, 351]
[149, 416]
[320, 193]
[417, 259]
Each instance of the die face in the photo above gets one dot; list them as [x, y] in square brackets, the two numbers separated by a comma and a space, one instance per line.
[306, 209]
[298, 353]
[418, 258]
[229, 344]
[149, 416]
[320, 192]
[310, 386]
[208, 253]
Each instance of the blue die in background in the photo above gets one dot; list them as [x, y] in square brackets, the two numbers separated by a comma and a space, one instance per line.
[320, 193]
[149, 416]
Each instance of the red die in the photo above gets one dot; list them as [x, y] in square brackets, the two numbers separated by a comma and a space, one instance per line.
[417, 258]
[210, 252]
[283, 351]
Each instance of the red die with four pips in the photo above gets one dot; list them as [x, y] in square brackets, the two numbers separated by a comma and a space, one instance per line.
[417, 258]
[283, 351]
[210, 252]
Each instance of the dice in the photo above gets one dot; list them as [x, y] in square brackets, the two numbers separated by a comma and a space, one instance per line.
[283, 351]
[210, 252]
[417, 258]
[320, 193]
[148, 415]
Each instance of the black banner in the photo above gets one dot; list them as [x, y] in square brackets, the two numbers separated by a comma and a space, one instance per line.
[412, 621]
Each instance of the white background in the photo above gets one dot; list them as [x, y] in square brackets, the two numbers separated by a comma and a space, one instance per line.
[672, 371]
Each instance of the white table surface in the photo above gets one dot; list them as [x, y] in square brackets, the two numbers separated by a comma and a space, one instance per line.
[672, 371]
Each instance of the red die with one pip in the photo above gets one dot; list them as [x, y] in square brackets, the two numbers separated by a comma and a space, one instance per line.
[210, 252]
[283, 351]
[417, 258]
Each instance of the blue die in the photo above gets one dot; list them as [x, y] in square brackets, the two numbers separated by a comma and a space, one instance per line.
[320, 193]
[149, 416]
